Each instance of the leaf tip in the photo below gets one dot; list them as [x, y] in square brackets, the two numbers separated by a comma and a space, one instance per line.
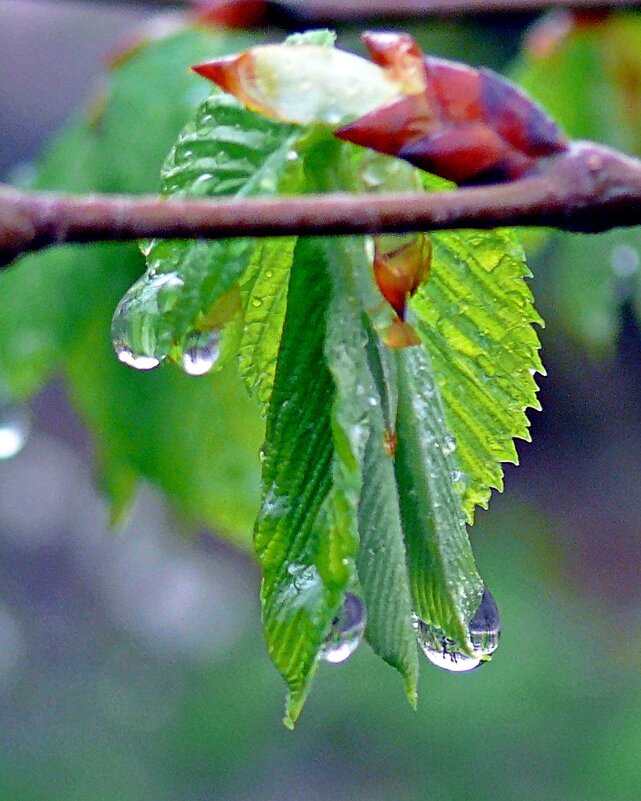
[293, 708]
[412, 693]
[221, 71]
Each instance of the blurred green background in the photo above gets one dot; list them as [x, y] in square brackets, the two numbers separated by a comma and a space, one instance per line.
[132, 665]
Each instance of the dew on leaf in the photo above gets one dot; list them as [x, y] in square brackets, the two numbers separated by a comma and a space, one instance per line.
[347, 630]
[200, 352]
[485, 631]
[15, 425]
[449, 445]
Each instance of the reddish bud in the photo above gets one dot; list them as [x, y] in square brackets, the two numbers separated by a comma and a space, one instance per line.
[400, 269]
[466, 125]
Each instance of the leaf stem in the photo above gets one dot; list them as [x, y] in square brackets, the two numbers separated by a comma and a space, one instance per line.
[589, 188]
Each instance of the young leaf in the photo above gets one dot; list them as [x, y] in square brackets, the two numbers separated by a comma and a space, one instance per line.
[264, 291]
[304, 538]
[475, 317]
[364, 421]
[303, 83]
[225, 150]
[446, 588]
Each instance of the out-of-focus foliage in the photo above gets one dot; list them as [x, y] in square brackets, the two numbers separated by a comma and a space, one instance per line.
[197, 439]
[586, 72]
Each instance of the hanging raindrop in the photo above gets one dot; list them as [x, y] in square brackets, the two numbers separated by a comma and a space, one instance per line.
[140, 337]
[347, 630]
[15, 425]
[485, 631]
[201, 352]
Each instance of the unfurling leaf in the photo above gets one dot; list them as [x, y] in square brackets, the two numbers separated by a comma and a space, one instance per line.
[392, 372]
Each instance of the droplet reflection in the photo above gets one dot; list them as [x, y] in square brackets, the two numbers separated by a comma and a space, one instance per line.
[15, 425]
[347, 630]
[485, 631]
[201, 352]
[131, 359]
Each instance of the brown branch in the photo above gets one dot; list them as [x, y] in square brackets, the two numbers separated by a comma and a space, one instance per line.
[335, 10]
[338, 9]
[590, 188]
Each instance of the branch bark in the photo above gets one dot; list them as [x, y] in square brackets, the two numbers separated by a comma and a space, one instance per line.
[590, 188]
[335, 10]
[338, 9]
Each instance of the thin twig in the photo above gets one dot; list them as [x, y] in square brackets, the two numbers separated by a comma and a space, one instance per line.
[338, 9]
[335, 10]
[589, 188]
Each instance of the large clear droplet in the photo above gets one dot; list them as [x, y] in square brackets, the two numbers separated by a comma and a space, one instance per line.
[15, 425]
[347, 630]
[141, 338]
[485, 631]
[200, 352]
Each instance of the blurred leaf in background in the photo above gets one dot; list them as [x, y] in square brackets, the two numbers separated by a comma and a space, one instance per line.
[585, 69]
[196, 439]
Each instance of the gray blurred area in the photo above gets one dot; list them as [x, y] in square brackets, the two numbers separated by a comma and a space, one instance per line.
[50, 56]
[132, 665]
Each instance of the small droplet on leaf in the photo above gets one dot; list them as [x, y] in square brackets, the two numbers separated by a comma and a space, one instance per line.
[15, 425]
[201, 352]
[347, 630]
[449, 445]
[485, 631]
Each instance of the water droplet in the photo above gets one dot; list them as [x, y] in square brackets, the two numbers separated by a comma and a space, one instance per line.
[485, 631]
[624, 260]
[201, 352]
[292, 155]
[347, 630]
[131, 359]
[449, 445]
[15, 425]
[257, 303]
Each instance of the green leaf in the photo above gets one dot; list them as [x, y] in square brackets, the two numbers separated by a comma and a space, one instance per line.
[264, 289]
[475, 317]
[446, 588]
[364, 413]
[195, 438]
[47, 297]
[225, 150]
[300, 538]
[56, 306]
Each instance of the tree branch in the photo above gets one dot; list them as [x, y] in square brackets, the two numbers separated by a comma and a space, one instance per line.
[589, 188]
[338, 9]
[334, 10]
